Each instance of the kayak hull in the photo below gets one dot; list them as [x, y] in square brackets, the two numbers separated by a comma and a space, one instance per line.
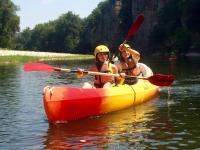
[63, 104]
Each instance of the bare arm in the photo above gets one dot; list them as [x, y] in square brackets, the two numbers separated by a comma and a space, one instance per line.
[80, 72]
[120, 79]
[134, 53]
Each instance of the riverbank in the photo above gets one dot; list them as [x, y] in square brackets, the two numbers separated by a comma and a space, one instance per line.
[9, 56]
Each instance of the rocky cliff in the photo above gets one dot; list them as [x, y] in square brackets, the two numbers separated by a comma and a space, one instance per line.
[116, 19]
[150, 9]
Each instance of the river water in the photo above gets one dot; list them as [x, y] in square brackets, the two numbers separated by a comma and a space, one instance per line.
[171, 121]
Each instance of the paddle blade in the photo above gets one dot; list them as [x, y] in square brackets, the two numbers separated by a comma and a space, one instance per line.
[161, 80]
[38, 67]
[135, 26]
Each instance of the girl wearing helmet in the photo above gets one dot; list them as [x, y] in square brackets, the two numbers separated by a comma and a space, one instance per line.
[101, 64]
[128, 62]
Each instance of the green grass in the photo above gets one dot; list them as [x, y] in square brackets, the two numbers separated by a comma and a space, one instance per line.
[70, 57]
[24, 59]
[17, 59]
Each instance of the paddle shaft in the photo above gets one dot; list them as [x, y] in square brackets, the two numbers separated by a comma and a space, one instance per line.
[156, 79]
[87, 72]
[98, 73]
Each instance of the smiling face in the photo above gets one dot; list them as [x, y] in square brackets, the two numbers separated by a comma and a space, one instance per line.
[125, 54]
[102, 57]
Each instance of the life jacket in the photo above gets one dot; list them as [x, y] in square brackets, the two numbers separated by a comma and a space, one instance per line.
[101, 80]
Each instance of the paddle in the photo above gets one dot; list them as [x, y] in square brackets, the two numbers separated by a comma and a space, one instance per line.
[134, 27]
[160, 79]
[156, 79]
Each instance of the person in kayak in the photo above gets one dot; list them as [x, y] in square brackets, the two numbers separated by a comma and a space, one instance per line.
[128, 63]
[102, 64]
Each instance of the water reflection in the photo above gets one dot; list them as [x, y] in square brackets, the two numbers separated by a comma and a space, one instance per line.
[105, 131]
[8, 104]
[20, 108]
[8, 76]
[172, 122]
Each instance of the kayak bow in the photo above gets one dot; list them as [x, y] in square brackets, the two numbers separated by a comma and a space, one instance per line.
[66, 103]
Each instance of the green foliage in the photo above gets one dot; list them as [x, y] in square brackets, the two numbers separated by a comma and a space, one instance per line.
[23, 39]
[61, 35]
[18, 59]
[191, 15]
[177, 25]
[9, 24]
[67, 31]
[158, 37]
[178, 28]
[182, 40]
[91, 25]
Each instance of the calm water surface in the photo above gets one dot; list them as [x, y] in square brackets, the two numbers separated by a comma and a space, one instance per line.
[171, 121]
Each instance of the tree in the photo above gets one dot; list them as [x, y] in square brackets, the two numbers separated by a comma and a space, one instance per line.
[23, 39]
[9, 23]
[61, 35]
[94, 27]
[191, 12]
[67, 31]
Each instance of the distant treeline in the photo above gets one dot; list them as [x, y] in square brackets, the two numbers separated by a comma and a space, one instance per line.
[9, 24]
[178, 29]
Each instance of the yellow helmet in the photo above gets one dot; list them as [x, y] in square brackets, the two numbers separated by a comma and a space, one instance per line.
[127, 46]
[101, 49]
[122, 46]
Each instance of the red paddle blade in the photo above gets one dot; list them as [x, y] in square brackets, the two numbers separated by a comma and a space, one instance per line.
[135, 26]
[161, 80]
[38, 67]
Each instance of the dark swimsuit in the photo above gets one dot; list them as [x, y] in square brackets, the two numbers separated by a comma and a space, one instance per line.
[129, 80]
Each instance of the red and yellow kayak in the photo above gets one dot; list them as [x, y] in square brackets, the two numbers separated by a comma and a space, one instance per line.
[63, 104]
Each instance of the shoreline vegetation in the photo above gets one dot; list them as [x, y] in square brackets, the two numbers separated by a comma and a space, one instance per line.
[19, 56]
[15, 56]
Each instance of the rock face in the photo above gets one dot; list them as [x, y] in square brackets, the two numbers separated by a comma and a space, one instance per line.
[150, 9]
[108, 31]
